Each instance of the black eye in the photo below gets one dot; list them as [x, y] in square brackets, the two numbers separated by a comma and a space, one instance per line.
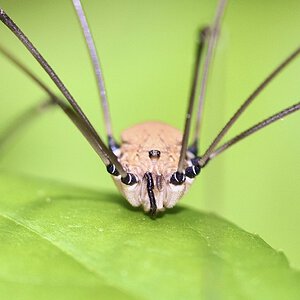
[192, 171]
[177, 178]
[130, 179]
[154, 154]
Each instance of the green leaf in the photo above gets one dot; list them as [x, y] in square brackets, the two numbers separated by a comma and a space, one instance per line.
[61, 242]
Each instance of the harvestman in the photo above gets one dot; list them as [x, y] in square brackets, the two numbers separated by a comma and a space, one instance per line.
[153, 166]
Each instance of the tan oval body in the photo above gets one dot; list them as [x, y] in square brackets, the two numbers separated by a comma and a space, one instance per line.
[133, 154]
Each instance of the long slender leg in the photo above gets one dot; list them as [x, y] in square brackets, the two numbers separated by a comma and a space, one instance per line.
[244, 106]
[212, 43]
[35, 110]
[253, 129]
[178, 177]
[16, 62]
[105, 154]
[200, 46]
[97, 70]
[203, 38]
[85, 130]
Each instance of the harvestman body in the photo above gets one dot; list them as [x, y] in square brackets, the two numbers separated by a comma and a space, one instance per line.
[151, 151]
[153, 167]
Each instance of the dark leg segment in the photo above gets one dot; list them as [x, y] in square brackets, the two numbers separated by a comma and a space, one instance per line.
[253, 129]
[245, 105]
[212, 43]
[98, 72]
[103, 151]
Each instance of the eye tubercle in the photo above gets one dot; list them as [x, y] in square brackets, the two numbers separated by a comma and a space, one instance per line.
[154, 154]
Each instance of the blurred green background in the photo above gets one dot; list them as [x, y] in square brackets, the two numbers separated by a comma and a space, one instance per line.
[146, 50]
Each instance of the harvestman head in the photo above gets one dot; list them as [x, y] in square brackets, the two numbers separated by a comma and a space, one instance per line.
[153, 166]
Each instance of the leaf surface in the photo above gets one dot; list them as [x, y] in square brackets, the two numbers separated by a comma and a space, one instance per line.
[62, 242]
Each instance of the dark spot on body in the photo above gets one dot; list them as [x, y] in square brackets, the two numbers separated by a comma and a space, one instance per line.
[154, 154]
